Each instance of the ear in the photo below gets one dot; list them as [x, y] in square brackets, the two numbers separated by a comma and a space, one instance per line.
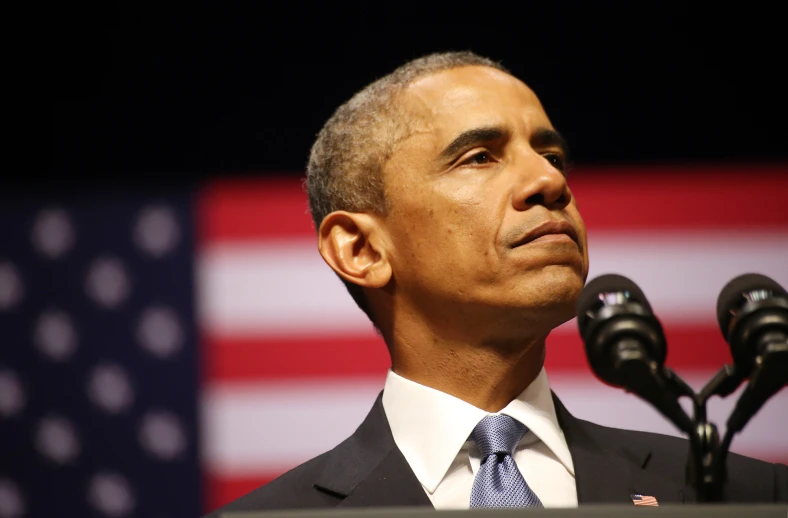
[353, 245]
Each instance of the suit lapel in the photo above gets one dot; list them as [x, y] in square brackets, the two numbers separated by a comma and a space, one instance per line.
[368, 469]
[611, 473]
[390, 483]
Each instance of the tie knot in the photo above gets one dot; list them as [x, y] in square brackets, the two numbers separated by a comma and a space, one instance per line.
[497, 434]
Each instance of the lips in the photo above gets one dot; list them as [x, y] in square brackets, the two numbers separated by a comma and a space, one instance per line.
[552, 227]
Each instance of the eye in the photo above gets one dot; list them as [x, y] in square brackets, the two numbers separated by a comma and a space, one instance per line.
[556, 161]
[482, 157]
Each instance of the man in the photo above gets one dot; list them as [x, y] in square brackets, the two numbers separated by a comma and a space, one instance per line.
[441, 199]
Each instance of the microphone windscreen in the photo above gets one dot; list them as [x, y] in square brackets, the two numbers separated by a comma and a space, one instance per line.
[607, 283]
[731, 296]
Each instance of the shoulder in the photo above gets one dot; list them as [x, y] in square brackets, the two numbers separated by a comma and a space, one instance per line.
[293, 489]
[748, 478]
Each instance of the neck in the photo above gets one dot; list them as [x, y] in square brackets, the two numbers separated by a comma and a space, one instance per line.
[488, 375]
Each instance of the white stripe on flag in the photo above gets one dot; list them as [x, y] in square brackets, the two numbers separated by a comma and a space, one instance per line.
[249, 428]
[281, 288]
[262, 428]
[285, 288]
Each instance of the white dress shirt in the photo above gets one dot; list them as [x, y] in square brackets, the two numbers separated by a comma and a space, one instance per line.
[431, 428]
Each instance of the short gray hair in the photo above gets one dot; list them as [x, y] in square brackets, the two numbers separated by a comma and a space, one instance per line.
[345, 169]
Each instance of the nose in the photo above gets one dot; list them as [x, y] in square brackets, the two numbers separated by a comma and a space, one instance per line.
[539, 182]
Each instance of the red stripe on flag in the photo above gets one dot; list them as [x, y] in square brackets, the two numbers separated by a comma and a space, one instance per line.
[615, 198]
[257, 357]
[249, 209]
[658, 197]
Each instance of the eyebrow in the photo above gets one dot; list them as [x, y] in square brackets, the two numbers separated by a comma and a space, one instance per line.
[472, 137]
[542, 137]
[546, 137]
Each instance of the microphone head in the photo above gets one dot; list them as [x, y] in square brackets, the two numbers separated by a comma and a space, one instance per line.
[593, 296]
[738, 292]
[613, 314]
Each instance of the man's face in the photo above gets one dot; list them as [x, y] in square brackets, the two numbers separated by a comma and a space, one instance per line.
[479, 173]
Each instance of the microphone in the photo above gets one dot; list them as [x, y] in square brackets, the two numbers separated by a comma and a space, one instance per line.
[626, 347]
[752, 311]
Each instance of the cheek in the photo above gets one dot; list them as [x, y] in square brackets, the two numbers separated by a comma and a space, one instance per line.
[468, 236]
[468, 225]
[446, 236]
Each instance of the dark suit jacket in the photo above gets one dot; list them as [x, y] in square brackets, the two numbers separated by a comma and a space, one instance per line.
[368, 470]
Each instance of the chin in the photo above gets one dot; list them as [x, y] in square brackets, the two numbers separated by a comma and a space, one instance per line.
[555, 291]
[538, 302]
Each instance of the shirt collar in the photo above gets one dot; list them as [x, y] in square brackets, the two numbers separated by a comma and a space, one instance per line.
[534, 408]
[430, 427]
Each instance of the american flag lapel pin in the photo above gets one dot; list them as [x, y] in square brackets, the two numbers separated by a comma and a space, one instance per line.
[644, 500]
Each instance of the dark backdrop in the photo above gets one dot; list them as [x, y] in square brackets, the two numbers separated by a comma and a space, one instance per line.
[182, 93]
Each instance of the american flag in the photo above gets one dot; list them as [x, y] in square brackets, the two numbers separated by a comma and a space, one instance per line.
[649, 501]
[152, 344]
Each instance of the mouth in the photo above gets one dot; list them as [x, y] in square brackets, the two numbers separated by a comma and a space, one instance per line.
[552, 230]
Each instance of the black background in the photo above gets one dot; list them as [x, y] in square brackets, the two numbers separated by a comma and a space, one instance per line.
[182, 93]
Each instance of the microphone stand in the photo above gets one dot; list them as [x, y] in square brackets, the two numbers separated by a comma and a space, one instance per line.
[706, 466]
[661, 387]
[707, 462]
[703, 436]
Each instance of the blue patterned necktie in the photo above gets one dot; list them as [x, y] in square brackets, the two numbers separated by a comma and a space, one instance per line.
[499, 483]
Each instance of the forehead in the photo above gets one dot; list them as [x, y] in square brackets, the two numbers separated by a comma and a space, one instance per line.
[443, 103]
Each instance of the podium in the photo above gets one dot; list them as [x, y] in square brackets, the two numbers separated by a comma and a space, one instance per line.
[586, 511]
